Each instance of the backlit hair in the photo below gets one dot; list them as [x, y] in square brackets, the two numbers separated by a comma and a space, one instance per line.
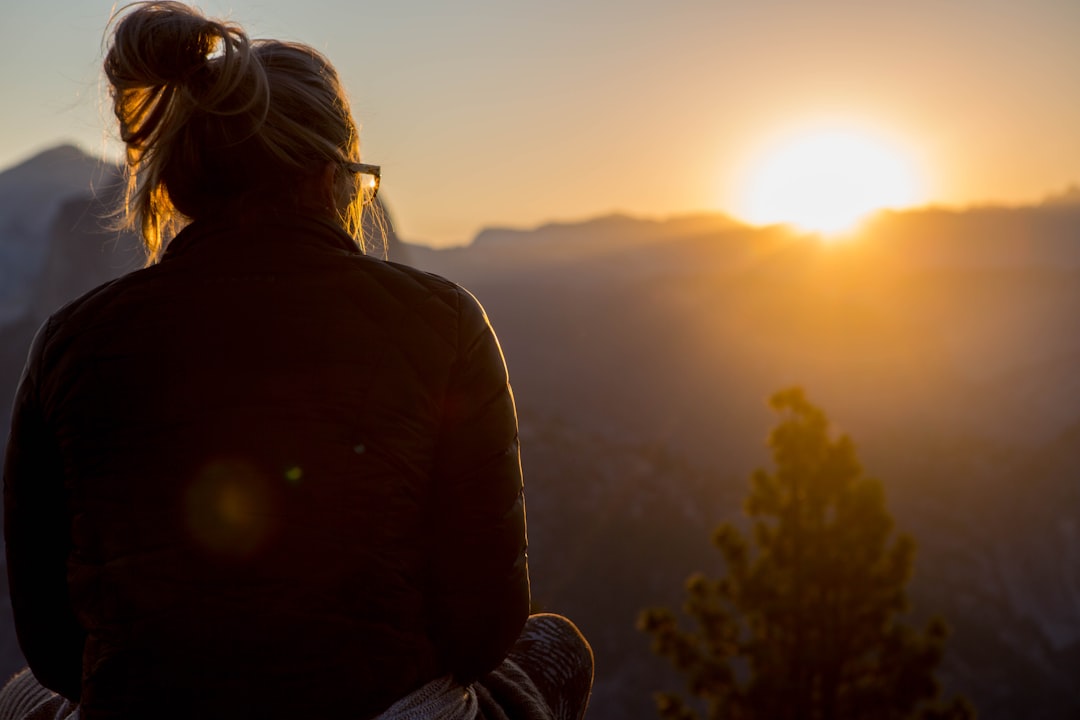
[212, 120]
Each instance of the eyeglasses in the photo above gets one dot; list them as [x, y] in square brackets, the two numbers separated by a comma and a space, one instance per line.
[369, 179]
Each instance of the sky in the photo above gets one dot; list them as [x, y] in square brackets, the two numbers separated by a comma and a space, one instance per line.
[511, 113]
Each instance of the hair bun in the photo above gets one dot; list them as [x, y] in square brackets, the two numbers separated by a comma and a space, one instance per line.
[212, 120]
[161, 43]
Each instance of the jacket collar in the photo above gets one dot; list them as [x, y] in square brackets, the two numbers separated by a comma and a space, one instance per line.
[230, 235]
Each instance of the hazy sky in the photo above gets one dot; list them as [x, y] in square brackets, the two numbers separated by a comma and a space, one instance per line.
[499, 112]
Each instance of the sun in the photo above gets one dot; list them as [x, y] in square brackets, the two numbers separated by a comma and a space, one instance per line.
[826, 180]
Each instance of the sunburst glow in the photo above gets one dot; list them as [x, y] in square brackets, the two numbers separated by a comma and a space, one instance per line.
[827, 180]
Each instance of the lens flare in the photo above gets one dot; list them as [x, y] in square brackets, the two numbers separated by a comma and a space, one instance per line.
[228, 508]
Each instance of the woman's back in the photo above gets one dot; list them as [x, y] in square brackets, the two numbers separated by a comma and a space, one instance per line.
[290, 463]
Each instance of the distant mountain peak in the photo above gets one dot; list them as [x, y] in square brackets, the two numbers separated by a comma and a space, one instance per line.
[60, 172]
[65, 154]
[62, 152]
[1070, 196]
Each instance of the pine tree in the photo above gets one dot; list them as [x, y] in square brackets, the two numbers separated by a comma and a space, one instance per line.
[806, 625]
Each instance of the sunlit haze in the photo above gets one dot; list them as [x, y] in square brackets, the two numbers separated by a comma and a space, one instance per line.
[486, 113]
[826, 179]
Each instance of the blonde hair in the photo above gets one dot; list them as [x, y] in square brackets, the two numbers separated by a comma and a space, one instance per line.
[212, 120]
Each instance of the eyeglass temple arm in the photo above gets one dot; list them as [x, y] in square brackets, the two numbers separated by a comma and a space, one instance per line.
[364, 168]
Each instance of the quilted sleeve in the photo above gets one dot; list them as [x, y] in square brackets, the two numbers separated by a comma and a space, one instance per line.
[37, 531]
[479, 564]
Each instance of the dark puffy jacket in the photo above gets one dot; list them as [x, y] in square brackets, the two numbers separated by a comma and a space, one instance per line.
[266, 477]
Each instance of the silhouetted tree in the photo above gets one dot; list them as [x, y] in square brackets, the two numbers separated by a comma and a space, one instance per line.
[805, 625]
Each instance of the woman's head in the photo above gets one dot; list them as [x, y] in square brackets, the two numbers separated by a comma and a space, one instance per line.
[214, 122]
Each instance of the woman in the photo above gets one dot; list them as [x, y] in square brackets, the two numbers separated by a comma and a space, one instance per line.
[267, 476]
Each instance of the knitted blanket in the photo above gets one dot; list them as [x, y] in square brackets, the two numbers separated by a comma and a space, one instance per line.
[440, 699]
[548, 676]
[23, 698]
